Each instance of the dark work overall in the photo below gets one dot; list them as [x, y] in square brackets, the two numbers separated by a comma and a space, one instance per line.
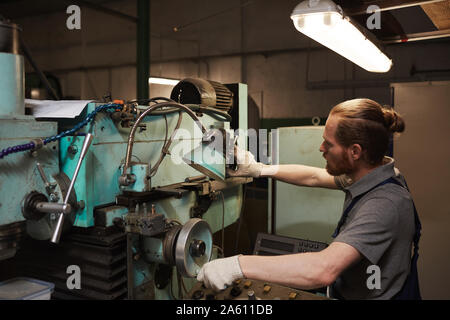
[410, 289]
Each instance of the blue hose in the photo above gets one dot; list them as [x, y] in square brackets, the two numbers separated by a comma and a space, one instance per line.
[89, 118]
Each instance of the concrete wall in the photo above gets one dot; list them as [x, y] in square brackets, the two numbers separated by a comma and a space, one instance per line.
[289, 76]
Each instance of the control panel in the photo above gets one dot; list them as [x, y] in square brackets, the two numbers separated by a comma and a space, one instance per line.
[248, 289]
[270, 245]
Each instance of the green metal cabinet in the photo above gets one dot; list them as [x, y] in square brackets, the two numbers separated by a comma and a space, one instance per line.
[303, 212]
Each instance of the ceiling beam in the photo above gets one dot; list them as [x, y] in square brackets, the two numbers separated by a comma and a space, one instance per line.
[439, 14]
[386, 5]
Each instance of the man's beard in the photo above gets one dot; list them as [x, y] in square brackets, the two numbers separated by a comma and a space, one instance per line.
[340, 165]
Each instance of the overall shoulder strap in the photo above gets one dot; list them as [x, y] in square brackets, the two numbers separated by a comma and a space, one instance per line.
[411, 289]
[352, 204]
[418, 225]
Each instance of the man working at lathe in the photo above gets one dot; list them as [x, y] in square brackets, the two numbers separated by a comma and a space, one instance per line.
[377, 227]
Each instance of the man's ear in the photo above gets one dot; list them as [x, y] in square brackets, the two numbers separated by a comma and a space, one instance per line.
[355, 152]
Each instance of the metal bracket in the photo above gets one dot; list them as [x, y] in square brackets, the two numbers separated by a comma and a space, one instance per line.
[163, 274]
[201, 206]
[146, 225]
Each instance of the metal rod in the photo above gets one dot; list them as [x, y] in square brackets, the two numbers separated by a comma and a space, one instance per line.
[407, 5]
[87, 142]
[418, 36]
[196, 178]
[58, 229]
[50, 207]
[363, 9]
[42, 174]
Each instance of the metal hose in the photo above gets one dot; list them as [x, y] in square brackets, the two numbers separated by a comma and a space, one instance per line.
[144, 114]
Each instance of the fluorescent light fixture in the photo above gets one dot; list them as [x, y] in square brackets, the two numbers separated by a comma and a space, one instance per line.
[324, 22]
[165, 81]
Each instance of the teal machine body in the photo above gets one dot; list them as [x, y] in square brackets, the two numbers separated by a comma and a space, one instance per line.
[19, 175]
[123, 206]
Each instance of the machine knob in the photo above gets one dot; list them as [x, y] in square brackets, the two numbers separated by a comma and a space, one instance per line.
[197, 248]
[235, 291]
[251, 295]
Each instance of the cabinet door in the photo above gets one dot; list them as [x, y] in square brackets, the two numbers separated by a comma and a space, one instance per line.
[422, 154]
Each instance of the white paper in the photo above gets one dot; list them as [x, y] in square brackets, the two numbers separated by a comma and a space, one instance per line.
[56, 109]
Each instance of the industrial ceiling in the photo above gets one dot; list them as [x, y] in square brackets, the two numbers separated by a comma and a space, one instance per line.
[402, 20]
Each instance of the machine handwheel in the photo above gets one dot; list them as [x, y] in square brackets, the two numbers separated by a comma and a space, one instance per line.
[193, 247]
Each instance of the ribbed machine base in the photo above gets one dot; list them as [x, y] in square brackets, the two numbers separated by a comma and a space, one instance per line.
[99, 253]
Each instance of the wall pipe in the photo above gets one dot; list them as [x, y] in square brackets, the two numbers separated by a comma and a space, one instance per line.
[143, 49]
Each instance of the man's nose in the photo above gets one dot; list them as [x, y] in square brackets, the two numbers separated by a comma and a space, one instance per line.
[322, 148]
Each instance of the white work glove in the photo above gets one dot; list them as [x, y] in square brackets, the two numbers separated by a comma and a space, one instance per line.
[219, 273]
[246, 164]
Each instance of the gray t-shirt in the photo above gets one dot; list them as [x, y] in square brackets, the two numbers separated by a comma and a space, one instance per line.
[381, 227]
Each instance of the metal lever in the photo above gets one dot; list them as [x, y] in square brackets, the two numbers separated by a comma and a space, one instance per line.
[49, 207]
[42, 174]
[58, 229]
[49, 187]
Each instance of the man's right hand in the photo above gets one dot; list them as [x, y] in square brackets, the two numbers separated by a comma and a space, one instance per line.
[296, 174]
[246, 164]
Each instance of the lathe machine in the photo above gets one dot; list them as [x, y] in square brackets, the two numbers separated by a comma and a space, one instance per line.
[119, 190]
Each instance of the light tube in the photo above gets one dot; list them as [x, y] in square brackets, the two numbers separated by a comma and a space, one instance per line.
[330, 28]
